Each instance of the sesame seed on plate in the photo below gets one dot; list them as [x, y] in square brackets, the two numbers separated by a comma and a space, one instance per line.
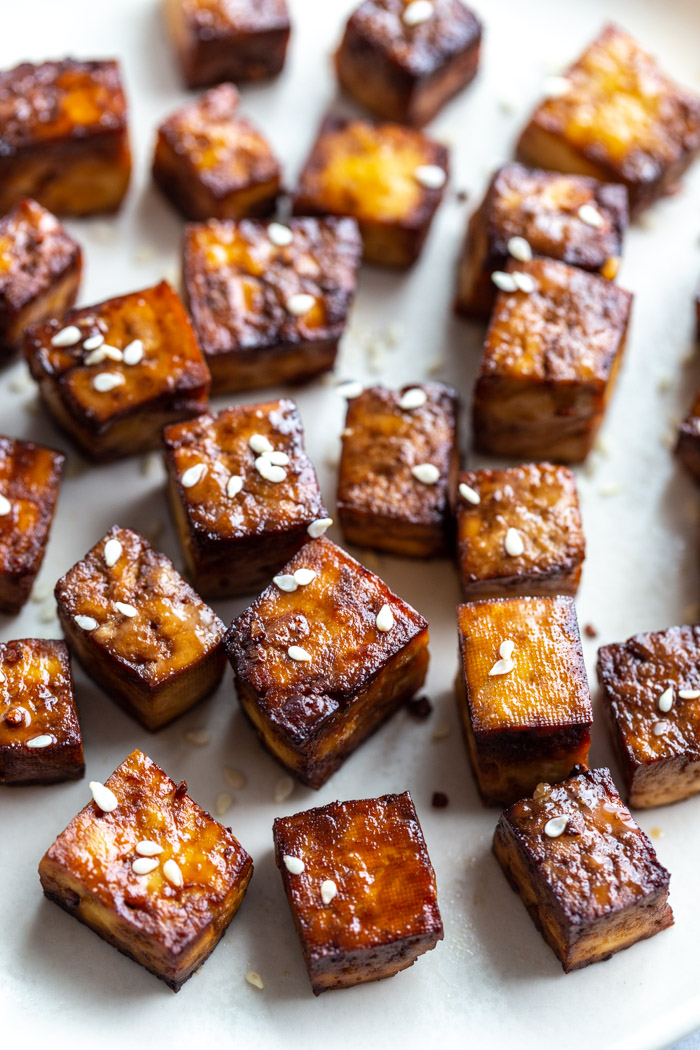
[431, 176]
[318, 527]
[5, 505]
[198, 737]
[520, 249]
[234, 778]
[513, 543]
[93, 341]
[172, 873]
[259, 443]
[385, 618]
[234, 485]
[148, 848]
[349, 389]
[688, 694]
[85, 623]
[144, 865]
[417, 12]
[295, 865]
[427, 473]
[413, 398]
[328, 891]
[106, 381]
[125, 609]
[665, 701]
[557, 87]
[591, 216]
[45, 740]
[279, 235]
[285, 582]
[254, 978]
[193, 475]
[469, 494]
[269, 471]
[295, 652]
[304, 576]
[112, 552]
[104, 797]
[504, 281]
[300, 303]
[223, 803]
[555, 827]
[283, 789]
[133, 353]
[68, 336]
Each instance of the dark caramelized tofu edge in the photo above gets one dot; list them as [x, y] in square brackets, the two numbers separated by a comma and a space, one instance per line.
[687, 447]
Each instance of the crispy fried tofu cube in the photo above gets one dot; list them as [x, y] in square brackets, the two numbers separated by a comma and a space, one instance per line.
[621, 120]
[216, 40]
[30, 476]
[323, 657]
[239, 514]
[573, 218]
[404, 70]
[519, 532]
[522, 693]
[585, 871]
[688, 439]
[139, 629]
[63, 136]
[550, 362]
[112, 375]
[365, 902]
[390, 178]
[269, 302]
[149, 871]
[397, 468]
[40, 739]
[213, 164]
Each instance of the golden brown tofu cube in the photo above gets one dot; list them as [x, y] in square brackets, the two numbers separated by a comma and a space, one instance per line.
[213, 164]
[216, 40]
[113, 375]
[365, 902]
[688, 439]
[519, 532]
[269, 302]
[63, 136]
[40, 739]
[403, 69]
[30, 476]
[398, 466]
[551, 358]
[622, 119]
[239, 515]
[149, 871]
[323, 657]
[585, 871]
[139, 629]
[522, 693]
[390, 178]
[573, 218]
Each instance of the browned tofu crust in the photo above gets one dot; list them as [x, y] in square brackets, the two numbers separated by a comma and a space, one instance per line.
[550, 362]
[688, 438]
[540, 502]
[381, 503]
[139, 629]
[622, 120]
[170, 929]
[344, 676]
[236, 535]
[368, 171]
[168, 382]
[63, 136]
[30, 476]
[40, 739]
[211, 163]
[406, 72]
[597, 887]
[384, 911]
[241, 289]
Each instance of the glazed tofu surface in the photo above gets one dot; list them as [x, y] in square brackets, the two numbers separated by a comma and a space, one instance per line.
[688, 439]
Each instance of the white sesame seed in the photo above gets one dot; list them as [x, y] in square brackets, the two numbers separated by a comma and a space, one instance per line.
[193, 475]
[505, 650]
[5, 505]
[659, 728]
[513, 544]
[172, 873]
[85, 623]
[283, 789]
[557, 87]
[279, 459]
[105, 799]
[328, 891]
[524, 282]
[223, 803]
[385, 618]
[234, 778]
[255, 979]
[269, 471]
[504, 281]
[144, 865]
[280, 235]
[133, 353]
[416, 12]
[318, 527]
[93, 341]
[295, 652]
[555, 827]
[591, 216]
[611, 489]
[198, 737]
[688, 694]
[148, 848]
[67, 336]
[469, 494]
[112, 552]
[45, 740]
[285, 582]
[665, 701]
[300, 304]
[106, 381]
[125, 609]
[413, 398]
[47, 613]
[426, 473]
[431, 176]
[234, 486]
[304, 576]
[295, 865]
[112, 353]
[441, 732]
[501, 667]
[95, 357]
[520, 249]
[349, 389]
[259, 443]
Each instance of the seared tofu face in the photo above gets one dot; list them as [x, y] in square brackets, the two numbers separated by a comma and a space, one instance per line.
[390, 178]
[63, 136]
[651, 695]
[30, 476]
[114, 374]
[40, 739]
[586, 872]
[399, 462]
[270, 302]
[239, 512]
[519, 532]
[190, 879]
[365, 901]
[522, 693]
[211, 163]
[139, 629]
[551, 357]
[622, 120]
[322, 657]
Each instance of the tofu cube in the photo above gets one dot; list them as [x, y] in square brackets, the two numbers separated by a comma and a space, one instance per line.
[139, 629]
[397, 468]
[113, 375]
[30, 476]
[365, 902]
[688, 439]
[585, 871]
[40, 739]
[269, 302]
[522, 693]
[213, 164]
[323, 657]
[622, 119]
[404, 70]
[390, 178]
[239, 515]
[169, 914]
[573, 218]
[519, 532]
[550, 362]
[215, 40]
[63, 136]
